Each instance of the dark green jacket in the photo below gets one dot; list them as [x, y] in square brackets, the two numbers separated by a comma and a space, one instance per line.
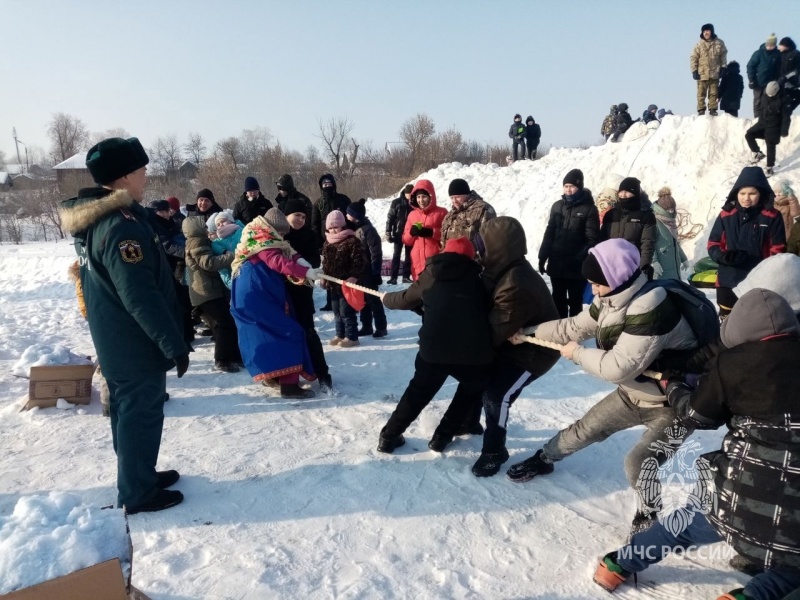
[133, 313]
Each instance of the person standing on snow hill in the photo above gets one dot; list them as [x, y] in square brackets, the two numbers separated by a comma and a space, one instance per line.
[631, 330]
[649, 114]
[519, 298]
[707, 64]
[273, 343]
[395, 224]
[517, 134]
[287, 191]
[747, 231]
[731, 89]
[756, 470]
[468, 214]
[669, 255]
[609, 122]
[251, 204]
[454, 341]
[768, 127]
[127, 282]
[632, 219]
[533, 135]
[573, 228]
[789, 81]
[623, 122]
[423, 229]
[764, 66]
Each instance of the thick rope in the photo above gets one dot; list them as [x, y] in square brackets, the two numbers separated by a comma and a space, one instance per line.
[361, 288]
[554, 346]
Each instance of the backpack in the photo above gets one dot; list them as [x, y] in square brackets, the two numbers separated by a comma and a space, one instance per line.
[693, 305]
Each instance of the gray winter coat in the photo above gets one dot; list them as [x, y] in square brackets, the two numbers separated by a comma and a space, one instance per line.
[201, 265]
[668, 255]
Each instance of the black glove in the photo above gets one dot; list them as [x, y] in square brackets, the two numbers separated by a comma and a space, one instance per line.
[414, 231]
[649, 271]
[751, 85]
[182, 364]
[733, 258]
[696, 76]
[542, 269]
[425, 232]
[672, 383]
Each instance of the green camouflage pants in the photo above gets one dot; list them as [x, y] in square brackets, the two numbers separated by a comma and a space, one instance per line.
[708, 87]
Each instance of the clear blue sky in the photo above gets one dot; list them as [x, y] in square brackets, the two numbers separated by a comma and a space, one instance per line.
[157, 67]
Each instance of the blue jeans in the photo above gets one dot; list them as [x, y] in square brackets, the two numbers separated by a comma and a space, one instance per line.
[651, 546]
[344, 316]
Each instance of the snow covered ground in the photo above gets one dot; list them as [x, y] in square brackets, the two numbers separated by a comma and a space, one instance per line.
[290, 499]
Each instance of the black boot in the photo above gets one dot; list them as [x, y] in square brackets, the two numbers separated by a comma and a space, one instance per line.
[379, 333]
[365, 330]
[226, 367]
[325, 384]
[530, 468]
[387, 444]
[293, 390]
[392, 281]
[164, 499]
[489, 463]
[167, 478]
[439, 442]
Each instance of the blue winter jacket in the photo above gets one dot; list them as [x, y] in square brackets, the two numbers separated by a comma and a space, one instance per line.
[222, 245]
[764, 66]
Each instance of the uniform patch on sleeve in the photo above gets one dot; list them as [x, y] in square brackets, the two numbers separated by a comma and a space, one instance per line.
[131, 251]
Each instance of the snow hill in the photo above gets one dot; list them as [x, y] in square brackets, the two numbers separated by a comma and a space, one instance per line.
[291, 500]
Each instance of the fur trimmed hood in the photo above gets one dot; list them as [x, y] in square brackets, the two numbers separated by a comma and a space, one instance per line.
[91, 205]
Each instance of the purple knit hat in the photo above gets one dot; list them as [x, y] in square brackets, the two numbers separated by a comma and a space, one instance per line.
[618, 259]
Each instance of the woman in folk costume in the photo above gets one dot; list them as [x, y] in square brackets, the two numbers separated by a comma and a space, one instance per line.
[273, 344]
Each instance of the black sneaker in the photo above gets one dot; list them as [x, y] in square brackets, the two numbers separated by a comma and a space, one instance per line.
[529, 468]
[325, 384]
[379, 333]
[387, 445]
[392, 281]
[489, 463]
[439, 442]
[407, 280]
[364, 331]
[292, 390]
[470, 429]
[226, 367]
[164, 499]
[167, 478]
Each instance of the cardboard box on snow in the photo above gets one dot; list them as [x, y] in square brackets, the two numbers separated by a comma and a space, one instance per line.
[49, 383]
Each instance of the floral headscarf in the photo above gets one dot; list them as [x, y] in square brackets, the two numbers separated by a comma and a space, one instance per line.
[257, 236]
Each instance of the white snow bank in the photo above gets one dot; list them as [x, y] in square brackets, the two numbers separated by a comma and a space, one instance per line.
[50, 536]
[39, 355]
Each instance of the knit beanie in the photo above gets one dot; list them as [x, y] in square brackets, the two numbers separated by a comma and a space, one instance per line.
[665, 200]
[574, 177]
[335, 219]
[251, 184]
[461, 246]
[632, 185]
[772, 40]
[174, 203]
[278, 221]
[159, 205]
[652, 108]
[772, 89]
[114, 158]
[226, 214]
[458, 187]
[294, 205]
[591, 270]
[787, 43]
[357, 211]
[618, 260]
[206, 193]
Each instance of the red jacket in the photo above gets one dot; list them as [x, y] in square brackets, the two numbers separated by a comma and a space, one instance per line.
[423, 247]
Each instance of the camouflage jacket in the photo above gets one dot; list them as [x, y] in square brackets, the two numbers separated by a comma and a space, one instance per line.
[708, 57]
[467, 220]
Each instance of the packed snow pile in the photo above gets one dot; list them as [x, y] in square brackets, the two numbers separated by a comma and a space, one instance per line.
[39, 355]
[698, 158]
[50, 536]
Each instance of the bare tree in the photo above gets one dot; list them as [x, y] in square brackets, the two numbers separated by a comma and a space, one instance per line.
[166, 155]
[255, 144]
[313, 156]
[68, 136]
[229, 151]
[99, 136]
[333, 134]
[195, 148]
[415, 133]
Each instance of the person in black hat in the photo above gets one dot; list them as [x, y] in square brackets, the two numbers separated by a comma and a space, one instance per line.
[707, 64]
[251, 203]
[624, 121]
[395, 224]
[130, 298]
[633, 219]
[517, 134]
[573, 229]
[287, 191]
[205, 205]
[533, 134]
[329, 201]
[468, 213]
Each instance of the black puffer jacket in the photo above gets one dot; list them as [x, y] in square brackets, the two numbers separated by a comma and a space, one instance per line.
[455, 329]
[373, 248]
[173, 241]
[520, 297]
[573, 228]
[731, 88]
[287, 182]
[533, 133]
[305, 243]
[396, 218]
[632, 219]
[246, 210]
[324, 205]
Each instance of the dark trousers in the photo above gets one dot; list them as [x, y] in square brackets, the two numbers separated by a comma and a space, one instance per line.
[518, 145]
[531, 150]
[732, 112]
[344, 316]
[137, 419]
[398, 250]
[185, 302]
[758, 131]
[758, 93]
[504, 387]
[373, 309]
[568, 295]
[223, 327]
[315, 351]
[726, 299]
[427, 380]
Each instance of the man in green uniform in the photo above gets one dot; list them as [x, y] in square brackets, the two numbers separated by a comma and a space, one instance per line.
[133, 314]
